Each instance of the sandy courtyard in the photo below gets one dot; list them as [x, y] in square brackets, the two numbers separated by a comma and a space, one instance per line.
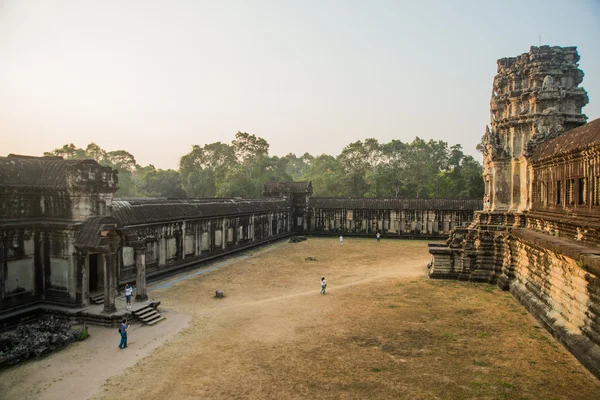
[383, 331]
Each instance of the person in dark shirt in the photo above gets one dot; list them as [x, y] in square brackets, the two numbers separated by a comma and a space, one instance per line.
[123, 331]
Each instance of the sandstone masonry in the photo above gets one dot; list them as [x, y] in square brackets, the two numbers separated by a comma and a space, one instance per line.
[538, 234]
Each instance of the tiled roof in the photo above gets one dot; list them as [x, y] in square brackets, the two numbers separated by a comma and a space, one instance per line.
[88, 234]
[16, 170]
[573, 140]
[136, 212]
[395, 204]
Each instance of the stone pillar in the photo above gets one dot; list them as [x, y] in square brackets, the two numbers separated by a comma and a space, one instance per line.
[224, 232]
[182, 248]
[140, 274]
[83, 278]
[110, 281]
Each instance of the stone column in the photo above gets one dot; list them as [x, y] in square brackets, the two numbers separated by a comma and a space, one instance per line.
[140, 274]
[224, 232]
[110, 281]
[83, 278]
[270, 230]
[182, 241]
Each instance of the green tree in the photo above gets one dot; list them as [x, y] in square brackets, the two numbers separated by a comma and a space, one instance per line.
[359, 163]
[204, 168]
[249, 146]
[323, 171]
[296, 166]
[68, 151]
[162, 183]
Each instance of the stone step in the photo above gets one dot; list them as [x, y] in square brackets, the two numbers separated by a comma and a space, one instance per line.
[144, 312]
[97, 299]
[156, 321]
[151, 318]
[148, 315]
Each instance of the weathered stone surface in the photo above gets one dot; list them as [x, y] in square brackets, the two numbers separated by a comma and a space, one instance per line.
[35, 340]
[535, 97]
[297, 239]
[539, 236]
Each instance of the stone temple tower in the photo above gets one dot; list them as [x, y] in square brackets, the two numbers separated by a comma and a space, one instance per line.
[535, 98]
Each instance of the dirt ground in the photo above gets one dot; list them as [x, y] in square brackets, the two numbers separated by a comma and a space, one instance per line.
[382, 331]
[80, 370]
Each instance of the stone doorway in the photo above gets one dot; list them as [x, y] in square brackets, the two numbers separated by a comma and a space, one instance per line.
[96, 274]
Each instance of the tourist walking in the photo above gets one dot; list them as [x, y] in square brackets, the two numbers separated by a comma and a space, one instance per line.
[378, 237]
[128, 293]
[341, 240]
[323, 284]
[123, 332]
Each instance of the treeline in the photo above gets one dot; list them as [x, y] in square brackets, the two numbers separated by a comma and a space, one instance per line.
[420, 169]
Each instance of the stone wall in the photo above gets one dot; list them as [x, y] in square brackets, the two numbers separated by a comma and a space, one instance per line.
[176, 244]
[559, 283]
[409, 218]
[555, 276]
[539, 235]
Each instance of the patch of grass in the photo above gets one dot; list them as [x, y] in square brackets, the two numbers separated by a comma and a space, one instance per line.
[393, 306]
[376, 369]
[477, 384]
[484, 334]
[507, 385]
[481, 363]
[490, 289]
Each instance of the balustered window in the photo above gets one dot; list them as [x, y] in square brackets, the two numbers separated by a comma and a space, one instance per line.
[558, 192]
[569, 191]
[582, 198]
[596, 191]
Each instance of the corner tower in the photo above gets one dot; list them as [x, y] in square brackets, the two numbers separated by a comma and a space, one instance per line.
[535, 97]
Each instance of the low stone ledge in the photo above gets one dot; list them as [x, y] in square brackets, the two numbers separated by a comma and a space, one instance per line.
[584, 349]
[588, 257]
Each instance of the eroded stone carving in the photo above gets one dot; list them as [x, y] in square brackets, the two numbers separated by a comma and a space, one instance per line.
[534, 99]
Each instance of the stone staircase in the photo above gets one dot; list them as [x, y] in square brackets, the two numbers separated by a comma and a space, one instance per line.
[148, 315]
[97, 298]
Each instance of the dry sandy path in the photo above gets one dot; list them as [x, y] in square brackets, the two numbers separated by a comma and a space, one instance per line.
[78, 371]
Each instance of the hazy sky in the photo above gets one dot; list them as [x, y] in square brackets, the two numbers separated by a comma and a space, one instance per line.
[155, 77]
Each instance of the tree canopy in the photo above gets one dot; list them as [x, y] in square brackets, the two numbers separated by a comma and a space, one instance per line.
[419, 169]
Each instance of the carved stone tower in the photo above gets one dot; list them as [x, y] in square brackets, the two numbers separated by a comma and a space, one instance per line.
[535, 98]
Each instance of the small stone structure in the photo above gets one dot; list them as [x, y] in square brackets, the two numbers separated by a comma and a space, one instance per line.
[539, 235]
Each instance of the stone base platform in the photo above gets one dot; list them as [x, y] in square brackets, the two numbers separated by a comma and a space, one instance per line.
[92, 314]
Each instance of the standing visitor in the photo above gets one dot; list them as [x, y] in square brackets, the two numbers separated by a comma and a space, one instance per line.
[123, 332]
[323, 284]
[128, 293]
[378, 237]
[341, 240]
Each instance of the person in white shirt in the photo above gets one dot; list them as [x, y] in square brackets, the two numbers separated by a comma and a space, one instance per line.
[341, 240]
[323, 284]
[128, 293]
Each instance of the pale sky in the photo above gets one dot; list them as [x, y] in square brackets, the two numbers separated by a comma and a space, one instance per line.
[156, 77]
